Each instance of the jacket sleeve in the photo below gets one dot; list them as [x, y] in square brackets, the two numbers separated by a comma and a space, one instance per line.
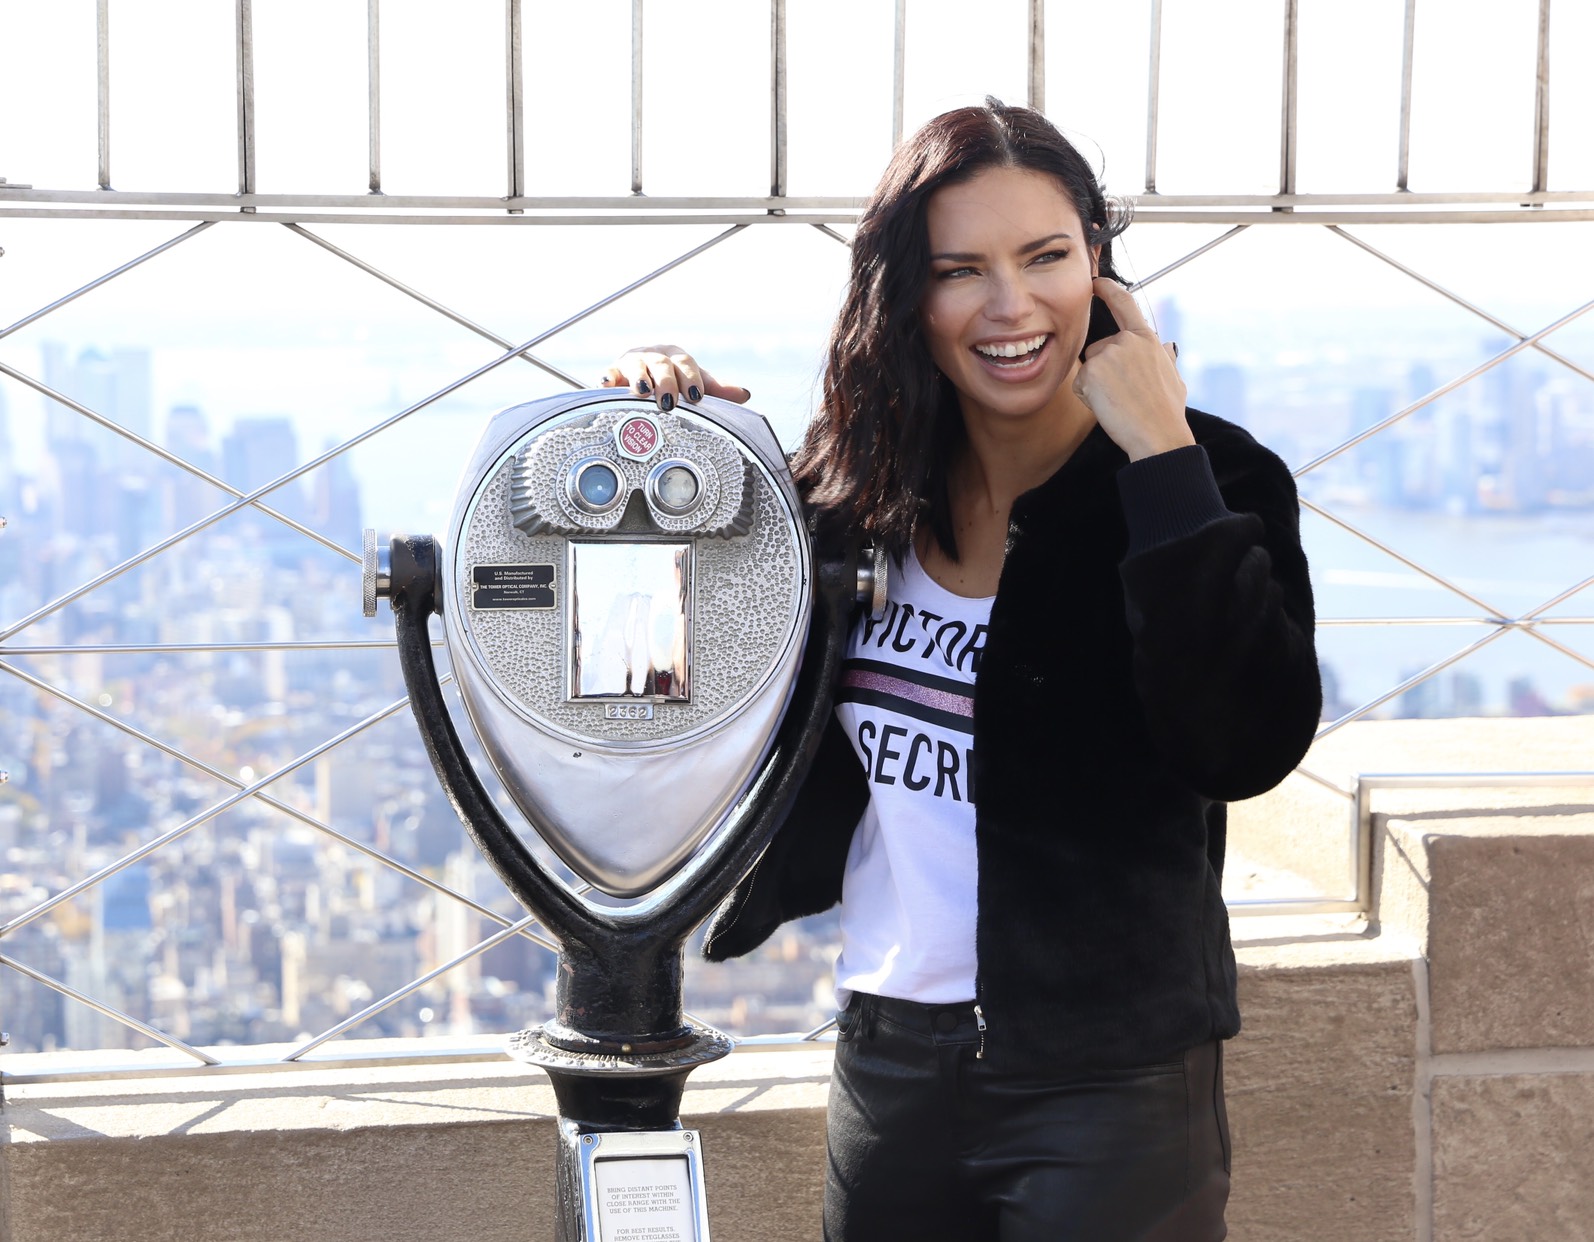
[1219, 607]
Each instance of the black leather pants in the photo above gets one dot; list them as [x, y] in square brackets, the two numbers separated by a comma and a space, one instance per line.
[927, 1143]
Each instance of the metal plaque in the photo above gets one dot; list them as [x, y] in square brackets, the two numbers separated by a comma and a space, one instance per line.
[643, 1186]
[512, 586]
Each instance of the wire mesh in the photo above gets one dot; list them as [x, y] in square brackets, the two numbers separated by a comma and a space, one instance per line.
[55, 650]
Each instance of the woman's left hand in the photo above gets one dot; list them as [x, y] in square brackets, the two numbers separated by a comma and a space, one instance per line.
[1130, 382]
[667, 373]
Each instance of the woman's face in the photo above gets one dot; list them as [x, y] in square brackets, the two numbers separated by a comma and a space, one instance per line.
[1008, 299]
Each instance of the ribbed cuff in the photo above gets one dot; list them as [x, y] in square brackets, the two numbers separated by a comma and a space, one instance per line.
[1169, 495]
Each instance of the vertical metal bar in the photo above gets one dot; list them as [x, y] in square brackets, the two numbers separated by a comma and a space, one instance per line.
[1361, 844]
[636, 96]
[899, 71]
[777, 103]
[103, 42]
[1037, 55]
[1403, 170]
[373, 79]
[1153, 95]
[245, 28]
[515, 105]
[1288, 105]
[1541, 115]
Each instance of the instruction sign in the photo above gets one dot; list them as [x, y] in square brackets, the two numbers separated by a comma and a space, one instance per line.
[644, 1199]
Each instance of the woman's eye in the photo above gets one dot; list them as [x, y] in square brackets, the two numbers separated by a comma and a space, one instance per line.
[1051, 256]
[949, 273]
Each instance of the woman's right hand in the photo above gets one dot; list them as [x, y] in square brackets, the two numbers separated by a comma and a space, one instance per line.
[667, 373]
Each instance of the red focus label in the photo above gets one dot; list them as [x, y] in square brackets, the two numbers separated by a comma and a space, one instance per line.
[637, 437]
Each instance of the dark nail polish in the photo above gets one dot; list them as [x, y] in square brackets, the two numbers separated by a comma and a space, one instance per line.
[666, 402]
[694, 393]
[643, 387]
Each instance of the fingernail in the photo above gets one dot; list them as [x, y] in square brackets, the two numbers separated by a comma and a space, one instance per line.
[694, 393]
[643, 387]
[1175, 351]
[666, 402]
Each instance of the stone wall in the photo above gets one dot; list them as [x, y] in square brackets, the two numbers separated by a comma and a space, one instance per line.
[1503, 906]
[1488, 896]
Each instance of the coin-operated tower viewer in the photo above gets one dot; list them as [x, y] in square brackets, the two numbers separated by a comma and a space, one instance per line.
[644, 643]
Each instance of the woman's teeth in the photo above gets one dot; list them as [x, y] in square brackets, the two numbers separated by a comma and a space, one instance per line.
[1010, 353]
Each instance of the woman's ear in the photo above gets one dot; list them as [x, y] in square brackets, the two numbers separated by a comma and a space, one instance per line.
[1095, 262]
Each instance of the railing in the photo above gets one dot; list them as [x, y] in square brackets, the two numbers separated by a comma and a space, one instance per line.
[299, 213]
[516, 207]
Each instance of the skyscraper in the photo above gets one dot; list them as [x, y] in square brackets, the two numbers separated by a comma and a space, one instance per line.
[188, 499]
[253, 453]
[335, 501]
[93, 466]
[116, 385]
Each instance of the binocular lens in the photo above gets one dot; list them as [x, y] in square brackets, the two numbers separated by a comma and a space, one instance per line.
[678, 488]
[597, 485]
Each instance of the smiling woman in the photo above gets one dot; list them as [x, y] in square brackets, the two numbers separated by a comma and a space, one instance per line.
[1099, 629]
[1005, 201]
[1008, 303]
[1008, 324]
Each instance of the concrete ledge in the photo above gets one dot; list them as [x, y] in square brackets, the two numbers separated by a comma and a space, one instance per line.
[1320, 1104]
[1320, 1086]
[318, 1154]
[1300, 830]
[410, 1152]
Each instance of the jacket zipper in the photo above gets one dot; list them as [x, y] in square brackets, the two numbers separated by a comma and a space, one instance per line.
[979, 1021]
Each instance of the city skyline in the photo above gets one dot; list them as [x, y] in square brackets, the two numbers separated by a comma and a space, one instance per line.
[1515, 442]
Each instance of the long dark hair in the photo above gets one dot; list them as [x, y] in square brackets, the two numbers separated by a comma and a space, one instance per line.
[875, 458]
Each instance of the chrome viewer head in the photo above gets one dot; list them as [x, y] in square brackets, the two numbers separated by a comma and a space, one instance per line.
[625, 594]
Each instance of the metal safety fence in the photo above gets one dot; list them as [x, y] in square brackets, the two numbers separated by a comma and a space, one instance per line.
[826, 219]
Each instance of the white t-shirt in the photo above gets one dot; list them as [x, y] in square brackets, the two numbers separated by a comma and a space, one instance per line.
[906, 700]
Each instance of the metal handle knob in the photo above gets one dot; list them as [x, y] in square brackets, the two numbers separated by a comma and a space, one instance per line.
[376, 572]
[873, 580]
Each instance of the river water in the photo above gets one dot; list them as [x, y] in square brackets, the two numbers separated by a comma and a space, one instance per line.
[1513, 563]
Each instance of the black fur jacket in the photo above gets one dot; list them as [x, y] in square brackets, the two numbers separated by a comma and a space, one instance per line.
[1150, 657]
